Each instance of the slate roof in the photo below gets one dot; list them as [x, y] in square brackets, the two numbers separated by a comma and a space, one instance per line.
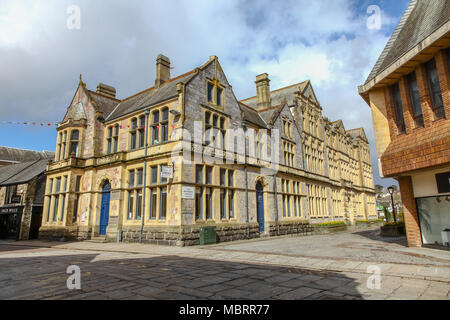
[149, 97]
[252, 116]
[22, 172]
[103, 103]
[421, 19]
[278, 98]
[20, 155]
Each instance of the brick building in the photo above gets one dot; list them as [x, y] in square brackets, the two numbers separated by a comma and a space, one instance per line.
[408, 93]
[270, 164]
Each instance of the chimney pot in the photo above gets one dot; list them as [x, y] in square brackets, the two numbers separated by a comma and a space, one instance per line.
[162, 70]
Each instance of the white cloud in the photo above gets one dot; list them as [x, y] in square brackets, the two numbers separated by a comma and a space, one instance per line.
[292, 40]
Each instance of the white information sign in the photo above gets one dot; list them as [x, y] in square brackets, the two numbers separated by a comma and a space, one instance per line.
[188, 192]
[167, 172]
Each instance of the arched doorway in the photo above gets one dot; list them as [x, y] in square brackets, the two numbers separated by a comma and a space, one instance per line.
[260, 205]
[104, 213]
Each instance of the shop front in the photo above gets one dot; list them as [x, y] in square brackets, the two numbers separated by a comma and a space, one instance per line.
[10, 222]
[432, 193]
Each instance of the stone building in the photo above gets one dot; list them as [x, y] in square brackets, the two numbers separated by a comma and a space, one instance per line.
[22, 188]
[14, 155]
[267, 165]
[408, 93]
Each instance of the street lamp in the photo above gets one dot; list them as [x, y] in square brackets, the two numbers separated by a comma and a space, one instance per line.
[391, 191]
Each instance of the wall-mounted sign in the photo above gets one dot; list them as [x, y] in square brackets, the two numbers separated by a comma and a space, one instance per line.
[443, 182]
[167, 172]
[11, 210]
[16, 198]
[187, 192]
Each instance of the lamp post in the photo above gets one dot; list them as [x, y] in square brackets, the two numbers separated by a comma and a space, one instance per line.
[391, 192]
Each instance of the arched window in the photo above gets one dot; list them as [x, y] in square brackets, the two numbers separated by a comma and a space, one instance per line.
[74, 142]
[165, 125]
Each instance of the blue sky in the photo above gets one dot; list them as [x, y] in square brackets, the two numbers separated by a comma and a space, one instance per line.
[292, 40]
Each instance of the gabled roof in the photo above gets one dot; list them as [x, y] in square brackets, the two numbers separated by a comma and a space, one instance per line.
[251, 115]
[22, 172]
[421, 19]
[357, 132]
[15, 155]
[150, 96]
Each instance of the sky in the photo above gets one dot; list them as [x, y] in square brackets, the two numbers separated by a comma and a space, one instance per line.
[326, 41]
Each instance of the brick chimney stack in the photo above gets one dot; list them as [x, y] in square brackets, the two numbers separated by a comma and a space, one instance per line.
[162, 70]
[263, 91]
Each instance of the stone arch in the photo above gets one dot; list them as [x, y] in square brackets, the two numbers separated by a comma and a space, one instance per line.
[102, 180]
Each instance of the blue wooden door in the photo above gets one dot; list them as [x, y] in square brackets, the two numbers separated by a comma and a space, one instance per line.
[104, 213]
[260, 206]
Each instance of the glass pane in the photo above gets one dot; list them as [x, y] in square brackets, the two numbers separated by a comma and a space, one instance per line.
[231, 202]
[155, 135]
[155, 117]
[208, 203]
[199, 174]
[207, 118]
[165, 133]
[139, 205]
[210, 92]
[435, 89]
[215, 119]
[198, 202]
[110, 132]
[154, 175]
[153, 196]
[398, 107]
[219, 96]
[134, 124]
[131, 178]
[140, 175]
[222, 176]
[163, 204]
[130, 204]
[208, 175]
[415, 98]
[434, 218]
[230, 178]
[165, 114]
[75, 135]
[223, 197]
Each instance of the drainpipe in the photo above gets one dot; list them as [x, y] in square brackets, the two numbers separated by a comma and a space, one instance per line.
[244, 126]
[276, 202]
[141, 231]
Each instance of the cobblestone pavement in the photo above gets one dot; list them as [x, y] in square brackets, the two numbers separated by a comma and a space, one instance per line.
[228, 271]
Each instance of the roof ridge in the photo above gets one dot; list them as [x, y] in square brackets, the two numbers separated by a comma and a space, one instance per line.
[103, 95]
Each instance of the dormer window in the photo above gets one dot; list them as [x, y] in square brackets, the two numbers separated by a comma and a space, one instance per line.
[215, 93]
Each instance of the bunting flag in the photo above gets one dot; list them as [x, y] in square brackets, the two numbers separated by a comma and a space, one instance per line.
[49, 124]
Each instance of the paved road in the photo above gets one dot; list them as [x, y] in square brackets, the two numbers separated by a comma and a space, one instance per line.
[131, 271]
